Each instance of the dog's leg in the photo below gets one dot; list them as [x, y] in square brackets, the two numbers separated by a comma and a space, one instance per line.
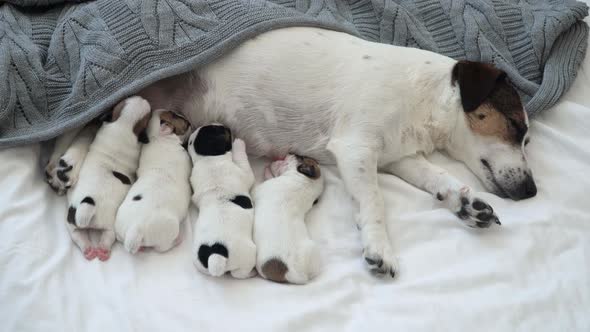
[71, 162]
[457, 196]
[81, 239]
[357, 164]
[62, 143]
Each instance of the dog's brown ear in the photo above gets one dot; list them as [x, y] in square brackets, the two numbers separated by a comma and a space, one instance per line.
[476, 82]
[116, 112]
[140, 129]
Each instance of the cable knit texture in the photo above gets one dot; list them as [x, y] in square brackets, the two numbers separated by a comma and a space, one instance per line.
[64, 62]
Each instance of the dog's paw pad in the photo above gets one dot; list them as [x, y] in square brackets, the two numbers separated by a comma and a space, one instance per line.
[103, 254]
[90, 254]
[477, 213]
[379, 266]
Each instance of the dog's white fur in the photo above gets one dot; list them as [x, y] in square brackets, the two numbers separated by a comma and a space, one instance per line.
[215, 181]
[365, 106]
[163, 190]
[282, 201]
[115, 148]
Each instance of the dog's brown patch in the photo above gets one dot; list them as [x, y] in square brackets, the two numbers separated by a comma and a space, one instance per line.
[492, 106]
[308, 167]
[274, 269]
[179, 124]
[141, 125]
[116, 112]
[501, 115]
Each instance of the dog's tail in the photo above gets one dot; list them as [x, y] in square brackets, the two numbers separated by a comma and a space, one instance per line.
[214, 258]
[85, 212]
[133, 239]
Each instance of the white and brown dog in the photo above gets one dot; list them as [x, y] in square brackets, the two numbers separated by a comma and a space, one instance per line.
[158, 202]
[285, 252]
[221, 180]
[105, 177]
[366, 107]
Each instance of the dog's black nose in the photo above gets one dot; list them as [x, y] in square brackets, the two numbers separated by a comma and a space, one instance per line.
[527, 189]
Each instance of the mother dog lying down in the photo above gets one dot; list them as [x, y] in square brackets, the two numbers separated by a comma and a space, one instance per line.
[367, 107]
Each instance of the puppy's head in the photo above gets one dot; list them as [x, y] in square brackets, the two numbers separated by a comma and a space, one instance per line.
[134, 112]
[172, 123]
[210, 140]
[296, 165]
[491, 133]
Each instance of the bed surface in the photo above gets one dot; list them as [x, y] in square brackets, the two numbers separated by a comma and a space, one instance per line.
[530, 274]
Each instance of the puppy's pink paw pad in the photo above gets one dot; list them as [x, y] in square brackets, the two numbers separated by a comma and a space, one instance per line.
[103, 254]
[90, 254]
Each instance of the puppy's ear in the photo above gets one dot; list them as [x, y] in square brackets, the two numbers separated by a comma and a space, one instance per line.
[309, 167]
[212, 140]
[476, 81]
[140, 129]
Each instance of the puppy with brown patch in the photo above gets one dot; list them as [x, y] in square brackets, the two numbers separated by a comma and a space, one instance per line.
[222, 179]
[286, 253]
[106, 176]
[367, 107]
[158, 201]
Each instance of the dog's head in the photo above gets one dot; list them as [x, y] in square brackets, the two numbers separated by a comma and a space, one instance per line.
[491, 134]
[133, 111]
[170, 123]
[294, 164]
[210, 140]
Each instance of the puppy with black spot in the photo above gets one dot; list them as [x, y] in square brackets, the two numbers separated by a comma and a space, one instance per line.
[106, 176]
[222, 179]
[286, 253]
[158, 202]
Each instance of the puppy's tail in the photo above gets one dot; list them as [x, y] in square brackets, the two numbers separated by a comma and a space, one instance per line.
[133, 239]
[217, 264]
[213, 258]
[85, 212]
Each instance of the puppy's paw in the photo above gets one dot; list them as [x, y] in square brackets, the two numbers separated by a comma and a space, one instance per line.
[103, 254]
[473, 211]
[90, 253]
[58, 176]
[239, 146]
[380, 260]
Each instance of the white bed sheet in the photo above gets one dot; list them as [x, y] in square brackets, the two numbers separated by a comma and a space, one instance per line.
[531, 274]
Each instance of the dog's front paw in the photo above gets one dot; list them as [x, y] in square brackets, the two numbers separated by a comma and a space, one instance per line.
[473, 211]
[379, 259]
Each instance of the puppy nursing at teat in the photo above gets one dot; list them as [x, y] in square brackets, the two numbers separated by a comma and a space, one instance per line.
[158, 202]
[105, 177]
[286, 253]
[221, 179]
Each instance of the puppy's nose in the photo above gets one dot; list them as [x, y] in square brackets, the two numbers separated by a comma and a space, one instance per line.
[527, 189]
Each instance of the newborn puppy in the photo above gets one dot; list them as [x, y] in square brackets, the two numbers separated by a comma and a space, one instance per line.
[222, 179]
[158, 202]
[105, 177]
[286, 253]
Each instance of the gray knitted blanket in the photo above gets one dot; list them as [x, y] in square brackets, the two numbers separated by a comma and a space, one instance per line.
[64, 62]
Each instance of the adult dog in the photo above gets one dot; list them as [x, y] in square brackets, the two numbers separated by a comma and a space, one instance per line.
[367, 107]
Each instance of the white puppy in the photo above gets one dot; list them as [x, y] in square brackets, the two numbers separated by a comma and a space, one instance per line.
[106, 176]
[222, 179]
[286, 253]
[158, 202]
